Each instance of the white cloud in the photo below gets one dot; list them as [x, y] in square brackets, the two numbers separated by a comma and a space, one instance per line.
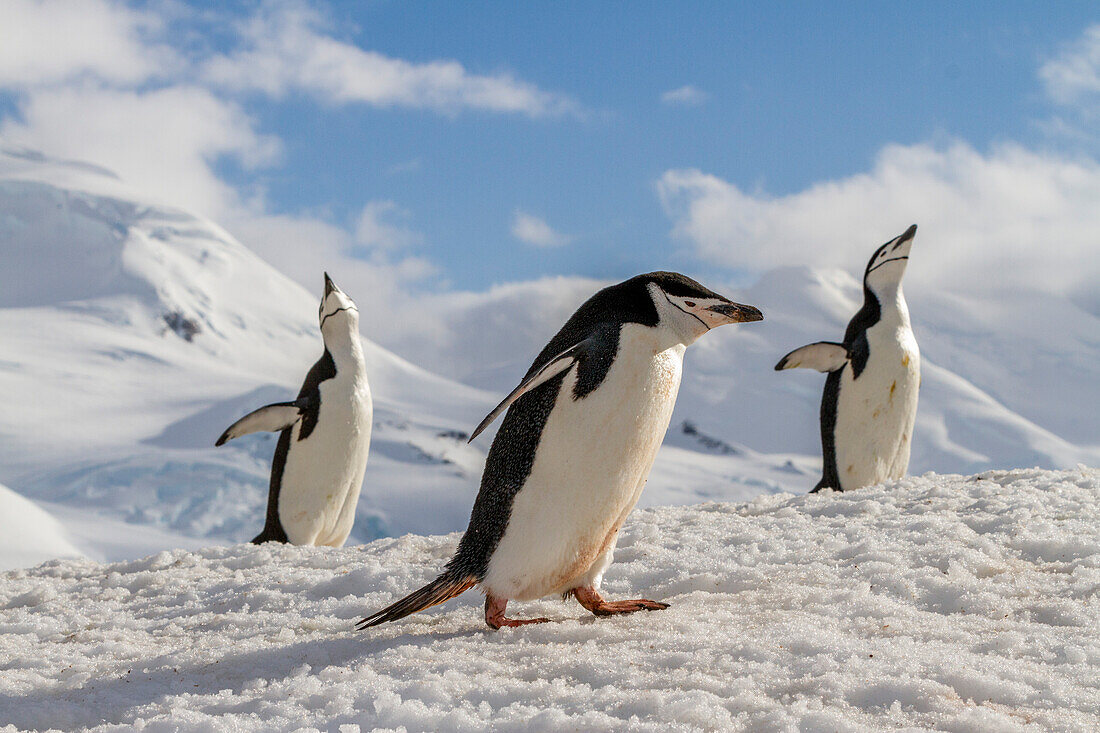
[303, 247]
[1072, 81]
[52, 41]
[489, 338]
[379, 227]
[164, 141]
[993, 222]
[532, 230]
[285, 49]
[685, 95]
[94, 80]
[1075, 72]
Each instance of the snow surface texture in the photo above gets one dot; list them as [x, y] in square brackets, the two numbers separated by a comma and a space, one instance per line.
[960, 603]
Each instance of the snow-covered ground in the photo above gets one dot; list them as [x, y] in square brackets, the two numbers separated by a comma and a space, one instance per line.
[948, 602]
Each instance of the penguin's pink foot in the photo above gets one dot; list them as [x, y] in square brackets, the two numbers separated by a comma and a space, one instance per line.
[591, 599]
[494, 615]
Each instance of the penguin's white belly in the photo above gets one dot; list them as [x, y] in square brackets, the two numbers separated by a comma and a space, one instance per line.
[591, 462]
[875, 413]
[323, 474]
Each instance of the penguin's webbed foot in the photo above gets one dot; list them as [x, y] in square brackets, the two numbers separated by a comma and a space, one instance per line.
[495, 618]
[591, 599]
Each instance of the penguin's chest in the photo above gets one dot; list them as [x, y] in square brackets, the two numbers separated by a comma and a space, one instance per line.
[875, 412]
[591, 463]
[323, 473]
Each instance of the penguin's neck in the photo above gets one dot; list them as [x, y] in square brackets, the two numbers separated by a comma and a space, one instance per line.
[347, 350]
[893, 310]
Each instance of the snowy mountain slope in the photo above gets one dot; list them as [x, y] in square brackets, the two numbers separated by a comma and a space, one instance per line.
[1005, 383]
[947, 602]
[132, 333]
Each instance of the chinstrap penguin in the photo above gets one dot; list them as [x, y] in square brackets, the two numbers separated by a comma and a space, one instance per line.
[870, 399]
[575, 448]
[324, 438]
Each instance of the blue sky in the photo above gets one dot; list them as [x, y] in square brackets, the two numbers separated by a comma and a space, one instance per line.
[794, 94]
[438, 147]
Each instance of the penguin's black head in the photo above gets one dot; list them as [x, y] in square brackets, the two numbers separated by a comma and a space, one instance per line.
[887, 264]
[672, 300]
[337, 313]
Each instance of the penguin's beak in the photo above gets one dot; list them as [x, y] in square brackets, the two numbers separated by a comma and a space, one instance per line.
[901, 246]
[330, 286]
[896, 250]
[732, 313]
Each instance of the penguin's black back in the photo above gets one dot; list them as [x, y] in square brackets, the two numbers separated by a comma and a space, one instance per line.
[855, 343]
[599, 321]
[323, 369]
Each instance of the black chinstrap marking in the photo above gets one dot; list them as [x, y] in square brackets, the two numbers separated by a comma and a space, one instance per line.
[892, 259]
[684, 311]
[329, 315]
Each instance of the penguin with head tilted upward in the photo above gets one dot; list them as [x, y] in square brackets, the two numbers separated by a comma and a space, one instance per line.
[870, 399]
[574, 450]
[324, 437]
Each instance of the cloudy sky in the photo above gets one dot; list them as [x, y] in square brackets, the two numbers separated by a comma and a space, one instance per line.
[463, 149]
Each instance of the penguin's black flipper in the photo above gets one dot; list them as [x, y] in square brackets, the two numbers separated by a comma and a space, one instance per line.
[554, 367]
[824, 356]
[270, 418]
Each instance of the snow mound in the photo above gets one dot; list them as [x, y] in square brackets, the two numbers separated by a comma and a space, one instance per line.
[34, 532]
[29, 534]
[961, 603]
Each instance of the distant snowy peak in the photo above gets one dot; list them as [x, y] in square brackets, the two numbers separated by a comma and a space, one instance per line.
[807, 291]
[80, 239]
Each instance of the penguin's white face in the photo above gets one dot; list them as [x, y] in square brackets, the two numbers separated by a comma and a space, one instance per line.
[887, 266]
[337, 314]
[690, 316]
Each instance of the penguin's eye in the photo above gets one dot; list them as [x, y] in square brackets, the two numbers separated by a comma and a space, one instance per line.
[689, 303]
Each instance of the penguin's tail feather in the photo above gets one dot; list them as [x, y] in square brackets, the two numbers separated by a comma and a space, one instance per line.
[443, 588]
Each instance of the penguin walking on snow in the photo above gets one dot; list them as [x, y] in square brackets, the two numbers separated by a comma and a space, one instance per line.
[575, 448]
[870, 399]
[324, 437]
